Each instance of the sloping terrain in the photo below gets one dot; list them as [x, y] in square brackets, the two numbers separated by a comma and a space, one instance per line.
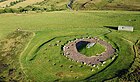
[107, 4]
[18, 3]
[75, 4]
[92, 4]
[26, 3]
[6, 3]
[10, 49]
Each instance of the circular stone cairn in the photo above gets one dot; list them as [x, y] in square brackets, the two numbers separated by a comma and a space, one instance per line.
[71, 51]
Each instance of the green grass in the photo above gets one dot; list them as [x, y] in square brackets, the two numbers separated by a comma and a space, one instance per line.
[53, 53]
[92, 51]
[67, 26]
[122, 62]
[10, 50]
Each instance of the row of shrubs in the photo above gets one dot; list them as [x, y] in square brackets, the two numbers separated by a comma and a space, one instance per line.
[11, 10]
[14, 3]
[28, 8]
[110, 1]
[2, 0]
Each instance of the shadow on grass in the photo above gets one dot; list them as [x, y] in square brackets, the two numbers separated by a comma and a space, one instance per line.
[81, 45]
[111, 27]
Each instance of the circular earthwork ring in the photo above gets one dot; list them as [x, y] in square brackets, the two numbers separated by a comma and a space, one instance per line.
[71, 51]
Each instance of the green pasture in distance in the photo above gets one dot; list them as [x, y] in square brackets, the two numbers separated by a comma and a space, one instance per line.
[53, 21]
[65, 19]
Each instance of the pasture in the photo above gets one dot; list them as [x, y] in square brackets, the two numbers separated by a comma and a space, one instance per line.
[43, 60]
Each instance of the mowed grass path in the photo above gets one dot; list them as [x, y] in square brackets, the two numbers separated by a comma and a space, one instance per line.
[56, 24]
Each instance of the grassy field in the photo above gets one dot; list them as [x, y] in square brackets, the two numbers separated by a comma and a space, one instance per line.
[43, 60]
[92, 51]
[50, 59]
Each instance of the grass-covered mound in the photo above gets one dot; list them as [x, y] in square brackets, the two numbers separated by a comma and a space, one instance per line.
[10, 49]
[92, 51]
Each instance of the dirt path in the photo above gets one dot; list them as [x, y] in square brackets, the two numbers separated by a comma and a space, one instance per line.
[128, 41]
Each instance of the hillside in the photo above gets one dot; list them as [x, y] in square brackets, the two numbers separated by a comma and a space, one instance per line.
[17, 3]
[26, 3]
[6, 2]
[91, 4]
[107, 4]
[73, 4]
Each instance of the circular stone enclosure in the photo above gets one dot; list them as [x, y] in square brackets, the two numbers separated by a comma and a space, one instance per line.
[71, 51]
[90, 49]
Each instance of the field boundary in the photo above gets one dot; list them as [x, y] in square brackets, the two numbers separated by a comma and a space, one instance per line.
[20, 57]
